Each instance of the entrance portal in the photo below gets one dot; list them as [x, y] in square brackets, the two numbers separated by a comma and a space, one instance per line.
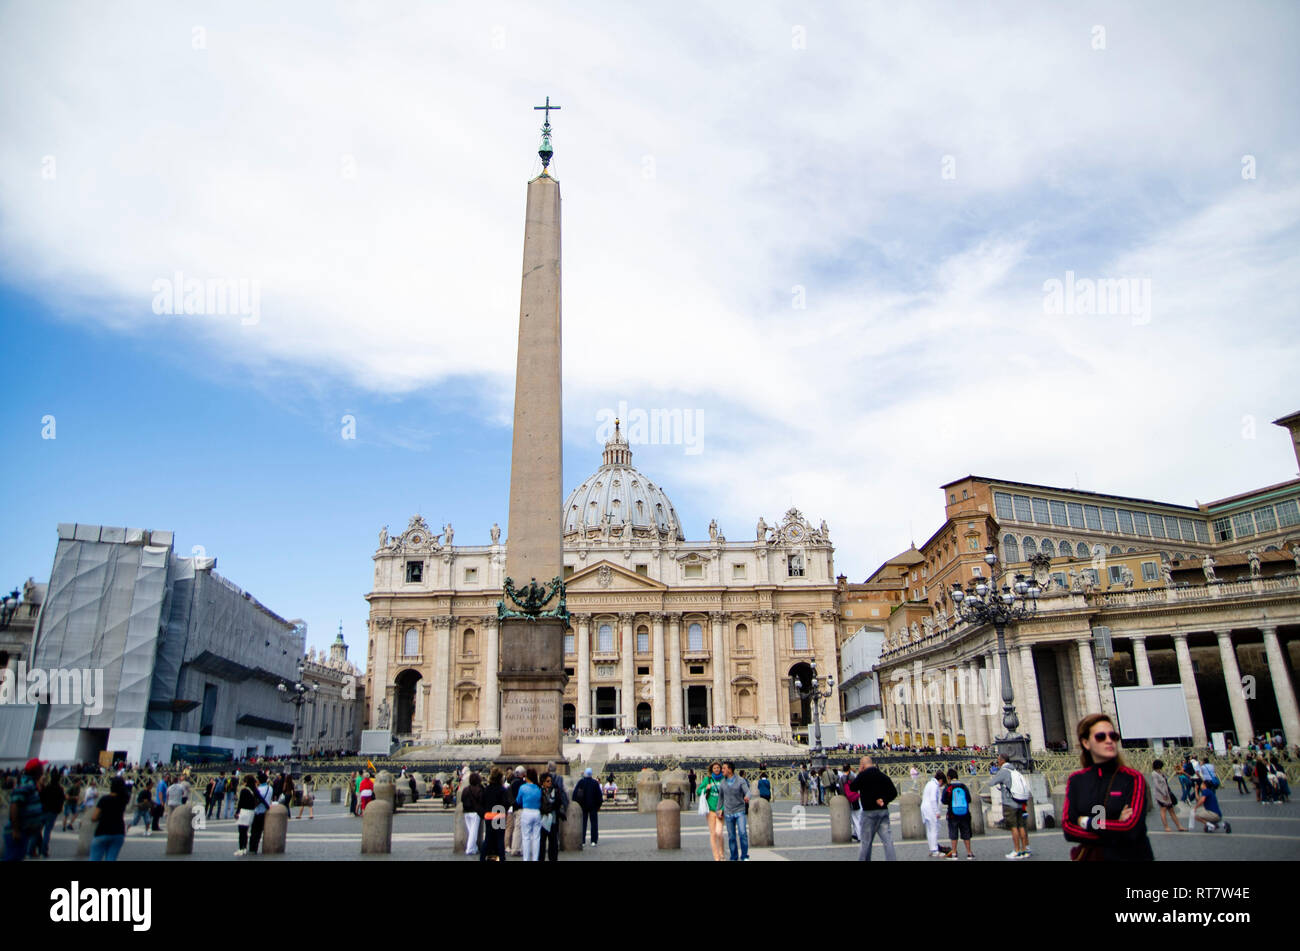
[697, 706]
[404, 713]
[606, 708]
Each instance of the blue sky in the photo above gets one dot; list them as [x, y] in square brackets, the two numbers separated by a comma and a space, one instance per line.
[825, 231]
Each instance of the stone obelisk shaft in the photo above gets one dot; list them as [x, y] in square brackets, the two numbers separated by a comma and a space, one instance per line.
[532, 675]
[536, 535]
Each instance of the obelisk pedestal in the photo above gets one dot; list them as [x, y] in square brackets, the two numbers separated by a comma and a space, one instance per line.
[531, 654]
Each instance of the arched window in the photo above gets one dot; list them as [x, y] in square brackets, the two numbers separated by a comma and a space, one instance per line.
[640, 511]
[1031, 548]
[411, 648]
[1048, 548]
[1010, 549]
[1115, 550]
[1081, 551]
[800, 636]
[468, 642]
[742, 637]
[695, 638]
[605, 638]
[643, 640]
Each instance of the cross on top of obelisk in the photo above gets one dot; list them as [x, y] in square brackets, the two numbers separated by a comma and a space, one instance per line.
[546, 151]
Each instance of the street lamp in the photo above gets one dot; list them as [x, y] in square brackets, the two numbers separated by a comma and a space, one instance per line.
[818, 695]
[989, 602]
[297, 693]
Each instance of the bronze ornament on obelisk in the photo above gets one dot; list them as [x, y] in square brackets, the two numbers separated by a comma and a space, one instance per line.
[532, 614]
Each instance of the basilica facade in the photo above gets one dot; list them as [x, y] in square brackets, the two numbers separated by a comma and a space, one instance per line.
[664, 632]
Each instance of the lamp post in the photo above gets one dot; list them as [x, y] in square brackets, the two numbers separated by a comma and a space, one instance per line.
[990, 602]
[818, 695]
[297, 693]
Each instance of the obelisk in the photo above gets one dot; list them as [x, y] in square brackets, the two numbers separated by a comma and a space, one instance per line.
[532, 613]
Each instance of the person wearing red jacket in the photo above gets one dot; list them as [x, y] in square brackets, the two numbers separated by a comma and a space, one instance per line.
[1105, 801]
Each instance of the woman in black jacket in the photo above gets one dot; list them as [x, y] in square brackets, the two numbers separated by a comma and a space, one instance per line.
[248, 801]
[495, 802]
[550, 840]
[1106, 801]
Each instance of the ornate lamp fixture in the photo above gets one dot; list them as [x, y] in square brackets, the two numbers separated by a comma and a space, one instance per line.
[991, 602]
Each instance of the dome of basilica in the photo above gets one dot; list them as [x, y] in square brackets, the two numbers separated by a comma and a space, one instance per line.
[619, 494]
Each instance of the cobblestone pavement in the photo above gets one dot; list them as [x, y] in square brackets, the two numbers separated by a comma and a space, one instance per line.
[1258, 833]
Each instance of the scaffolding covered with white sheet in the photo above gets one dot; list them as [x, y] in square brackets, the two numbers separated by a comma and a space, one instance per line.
[186, 657]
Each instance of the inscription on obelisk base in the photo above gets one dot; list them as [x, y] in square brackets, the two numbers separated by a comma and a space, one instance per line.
[532, 684]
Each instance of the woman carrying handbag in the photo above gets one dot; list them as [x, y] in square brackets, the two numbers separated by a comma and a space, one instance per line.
[244, 818]
[710, 797]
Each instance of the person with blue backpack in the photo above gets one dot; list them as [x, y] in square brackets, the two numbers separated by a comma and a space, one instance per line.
[956, 796]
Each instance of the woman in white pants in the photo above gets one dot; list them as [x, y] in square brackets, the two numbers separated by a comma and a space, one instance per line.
[529, 802]
[930, 799]
[471, 798]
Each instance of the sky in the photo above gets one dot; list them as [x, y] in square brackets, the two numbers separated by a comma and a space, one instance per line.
[855, 244]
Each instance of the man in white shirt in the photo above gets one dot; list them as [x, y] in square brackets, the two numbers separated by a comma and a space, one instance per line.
[930, 797]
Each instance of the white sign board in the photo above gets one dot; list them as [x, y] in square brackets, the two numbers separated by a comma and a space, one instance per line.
[1220, 743]
[1152, 712]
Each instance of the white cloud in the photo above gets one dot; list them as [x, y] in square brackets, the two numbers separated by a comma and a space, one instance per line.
[367, 165]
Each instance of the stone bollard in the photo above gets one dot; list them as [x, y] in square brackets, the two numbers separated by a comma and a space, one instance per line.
[976, 813]
[336, 794]
[377, 828]
[649, 790]
[387, 792]
[180, 830]
[459, 834]
[668, 825]
[760, 822]
[84, 836]
[1058, 806]
[275, 829]
[909, 814]
[841, 821]
[676, 787]
[1031, 823]
[571, 830]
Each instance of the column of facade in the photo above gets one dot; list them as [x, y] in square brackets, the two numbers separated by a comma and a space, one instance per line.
[1283, 689]
[584, 671]
[1088, 674]
[675, 704]
[1236, 693]
[657, 712]
[627, 664]
[440, 670]
[950, 674]
[490, 714]
[1033, 723]
[1141, 665]
[418, 713]
[993, 712]
[921, 704]
[1187, 677]
[1069, 692]
[720, 686]
[968, 690]
[773, 721]
[827, 650]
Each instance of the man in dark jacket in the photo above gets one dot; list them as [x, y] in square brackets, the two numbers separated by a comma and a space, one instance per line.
[875, 792]
[587, 795]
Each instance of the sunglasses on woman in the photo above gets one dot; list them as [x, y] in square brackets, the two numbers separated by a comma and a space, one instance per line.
[1102, 737]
